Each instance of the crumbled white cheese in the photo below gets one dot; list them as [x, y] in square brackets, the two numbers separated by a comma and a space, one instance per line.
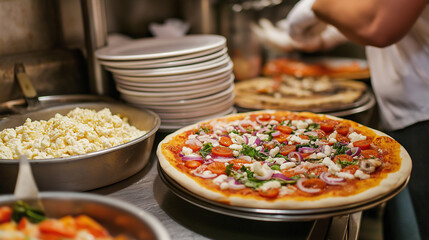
[287, 165]
[345, 175]
[236, 147]
[220, 179]
[361, 175]
[187, 151]
[332, 167]
[274, 151]
[261, 169]
[354, 136]
[300, 124]
[270, 184]
[296, 139]
[80, 131]
[286, 190]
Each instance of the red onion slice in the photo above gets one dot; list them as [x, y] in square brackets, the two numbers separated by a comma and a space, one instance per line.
[301, 187]
[326, 177]
[282, 177]
[192, 158]
[246, 139]
[265, 177]
[275, 134]
[354, 151]
[222, 159]
[307, 150]
[234, 184]
[207, 176]
[311, 133]
[295, 157]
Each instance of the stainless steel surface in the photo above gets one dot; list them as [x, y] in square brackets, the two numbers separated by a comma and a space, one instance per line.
[94, 17]
[354, 225]
[117, 216]
[92, 170]
[339, 228]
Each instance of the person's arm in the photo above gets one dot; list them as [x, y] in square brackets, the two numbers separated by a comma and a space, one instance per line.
[371, 22]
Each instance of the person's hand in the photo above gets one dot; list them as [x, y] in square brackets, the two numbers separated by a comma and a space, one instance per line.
[307, 32]
[271, 36]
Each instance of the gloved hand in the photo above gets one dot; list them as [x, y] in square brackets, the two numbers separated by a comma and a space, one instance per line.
[271, 36]
[307, 32]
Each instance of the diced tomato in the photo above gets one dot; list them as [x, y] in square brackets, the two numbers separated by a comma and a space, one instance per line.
[5, 214]
[363, 144]
[192, 164]
[350, 169]
[284, 129]
[288, 172]
[343, 158]
[282, 137]
[217, 167]
[222, 151]
[269, 193]
[370, 153]
[269, 145]
[342, 139]
[320, 133]
[304, 137]
[286, 149]
[238, 163]
[317, 170]
[225, 141]
[194, 146]
[342, 129]
[55, 227]
[314, 183]
[23, 223]
[85, 222]
[264, 117]
[327, 126]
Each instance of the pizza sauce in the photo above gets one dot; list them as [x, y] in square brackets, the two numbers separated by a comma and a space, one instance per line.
[283, 155]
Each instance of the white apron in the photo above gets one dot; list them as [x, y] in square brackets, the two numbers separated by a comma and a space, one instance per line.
[400, 77]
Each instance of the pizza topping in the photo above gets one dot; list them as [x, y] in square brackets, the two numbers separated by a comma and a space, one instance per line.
[277, 157]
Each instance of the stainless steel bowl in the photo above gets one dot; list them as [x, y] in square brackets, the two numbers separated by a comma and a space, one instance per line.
[117, 216]
[92, 170]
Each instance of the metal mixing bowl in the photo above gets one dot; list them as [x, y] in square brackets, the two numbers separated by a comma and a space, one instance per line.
[88, 171]
[117, 216]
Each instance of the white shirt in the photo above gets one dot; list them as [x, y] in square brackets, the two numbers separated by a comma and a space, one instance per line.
[400, 77]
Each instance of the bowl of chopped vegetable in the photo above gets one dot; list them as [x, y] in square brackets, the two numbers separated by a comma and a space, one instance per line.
[72, 215]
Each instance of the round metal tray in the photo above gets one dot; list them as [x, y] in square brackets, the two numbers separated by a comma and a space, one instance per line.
[366, 101]
[276, 215]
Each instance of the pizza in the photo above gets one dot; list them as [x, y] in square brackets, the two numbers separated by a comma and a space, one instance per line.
[284, 160]
[287, 92]
[331, 67]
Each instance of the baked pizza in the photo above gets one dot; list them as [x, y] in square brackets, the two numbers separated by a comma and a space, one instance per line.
[287, 92]
[284, 160]
[331, 67]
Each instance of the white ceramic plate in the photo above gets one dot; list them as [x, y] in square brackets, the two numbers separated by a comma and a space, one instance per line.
[178, 102]
[173, 70]
[165, 62]
[149, 48]
[196, 119]
[178, 77]
[169, 89]
[170, 127]
[196, 113]
[172, 96]
[187, 107]
[173, 84]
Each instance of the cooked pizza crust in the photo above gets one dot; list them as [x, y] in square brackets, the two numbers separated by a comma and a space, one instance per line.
[390, 183]
[262, 93]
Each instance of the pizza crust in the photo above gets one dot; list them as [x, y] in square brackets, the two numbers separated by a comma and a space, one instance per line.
[387, 185]
[265, 93]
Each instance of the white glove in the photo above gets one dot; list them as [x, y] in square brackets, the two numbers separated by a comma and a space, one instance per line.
[271, 36]
[307, 32]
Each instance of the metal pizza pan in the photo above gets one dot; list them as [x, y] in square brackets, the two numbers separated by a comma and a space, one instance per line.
[273, 214]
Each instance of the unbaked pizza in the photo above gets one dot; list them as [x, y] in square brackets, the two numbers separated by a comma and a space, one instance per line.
[284, 160]
[287, 92]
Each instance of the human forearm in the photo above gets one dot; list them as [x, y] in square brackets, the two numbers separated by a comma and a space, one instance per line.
[370, 22]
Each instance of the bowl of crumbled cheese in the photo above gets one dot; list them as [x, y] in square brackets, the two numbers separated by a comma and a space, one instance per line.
[78, 146]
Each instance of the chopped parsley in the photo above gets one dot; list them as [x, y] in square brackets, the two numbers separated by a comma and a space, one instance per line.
[313, 126]
[253, 153]
[340, 148]
[206, 150]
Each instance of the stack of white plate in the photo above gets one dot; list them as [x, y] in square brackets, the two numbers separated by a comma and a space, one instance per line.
[184, 80]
